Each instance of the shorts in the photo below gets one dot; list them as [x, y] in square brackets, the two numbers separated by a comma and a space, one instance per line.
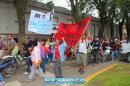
[81, 59]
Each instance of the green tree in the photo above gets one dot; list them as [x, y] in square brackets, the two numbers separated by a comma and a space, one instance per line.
[21, 6]
[112, 15]
[105, 9]
[78, 9]
[124, 7]
[50, 5]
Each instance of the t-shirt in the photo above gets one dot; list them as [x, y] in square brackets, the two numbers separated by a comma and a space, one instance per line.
[53, 44]
[43, 51]
[15, 51]
[82, 47]
[11, 44]
[96, 45]
[62, 49]
[113, 46]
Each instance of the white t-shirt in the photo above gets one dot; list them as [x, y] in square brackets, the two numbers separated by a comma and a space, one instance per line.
[82, 47]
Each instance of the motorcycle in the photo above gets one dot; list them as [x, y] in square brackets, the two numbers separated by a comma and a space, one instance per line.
[8, 66]
[107, 53]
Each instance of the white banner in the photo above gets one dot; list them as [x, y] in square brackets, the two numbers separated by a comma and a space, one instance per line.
[40, 23]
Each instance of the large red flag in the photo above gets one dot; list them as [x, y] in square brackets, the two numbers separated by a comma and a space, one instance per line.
[72, 32]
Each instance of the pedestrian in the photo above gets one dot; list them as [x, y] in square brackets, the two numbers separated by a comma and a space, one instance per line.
[36, 60]
[113, 49]
[53, 45]
[11, 43]
[59, 57]
[96, 49]
[27, 56]
[15, 49]
[119, 46]
[82, 54]
[43, 54]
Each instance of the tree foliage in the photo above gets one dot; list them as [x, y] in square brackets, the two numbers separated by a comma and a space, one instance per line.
[78, 9]
[50, 5]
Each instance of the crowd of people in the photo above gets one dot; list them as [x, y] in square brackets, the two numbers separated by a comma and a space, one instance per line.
[98, 48]
[37, 52]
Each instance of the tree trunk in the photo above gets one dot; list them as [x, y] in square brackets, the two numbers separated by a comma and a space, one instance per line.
[101, 30]
[128, 30]
[112, 29]
[128, 27]
[76, 13]
[22, 37]
[121, 27]
[120, 30]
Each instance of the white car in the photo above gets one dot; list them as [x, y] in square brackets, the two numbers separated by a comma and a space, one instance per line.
[126, 51]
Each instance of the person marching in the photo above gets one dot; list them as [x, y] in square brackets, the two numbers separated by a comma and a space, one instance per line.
[59, 57]
[82, 54]
[96, 49]
[36, 60]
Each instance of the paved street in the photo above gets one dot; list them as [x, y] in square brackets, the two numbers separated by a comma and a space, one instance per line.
[69, 70]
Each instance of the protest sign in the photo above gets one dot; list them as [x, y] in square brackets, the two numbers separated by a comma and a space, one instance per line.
[40, 23]
[72, 32]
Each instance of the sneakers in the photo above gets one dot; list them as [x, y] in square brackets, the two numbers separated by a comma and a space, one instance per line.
[2, 83]
[25, 73]
[51, 64]
[82, 71]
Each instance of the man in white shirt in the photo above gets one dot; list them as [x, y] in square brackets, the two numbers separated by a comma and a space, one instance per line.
[82, 54]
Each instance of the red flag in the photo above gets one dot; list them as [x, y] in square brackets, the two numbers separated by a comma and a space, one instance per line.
[72, 32]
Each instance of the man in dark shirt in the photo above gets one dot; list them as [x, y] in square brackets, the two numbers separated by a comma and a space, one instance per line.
[96, 48]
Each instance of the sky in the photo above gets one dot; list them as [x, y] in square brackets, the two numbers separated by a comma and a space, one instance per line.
[63, 3]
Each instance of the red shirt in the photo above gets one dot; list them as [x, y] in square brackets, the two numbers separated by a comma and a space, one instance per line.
[57, 53]
[44, 49]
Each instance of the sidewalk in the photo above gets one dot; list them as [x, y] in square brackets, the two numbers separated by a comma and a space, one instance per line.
[69, 70]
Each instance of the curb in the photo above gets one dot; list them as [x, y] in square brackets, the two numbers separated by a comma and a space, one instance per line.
[89, 78]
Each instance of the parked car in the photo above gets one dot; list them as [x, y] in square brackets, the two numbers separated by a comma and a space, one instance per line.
[126, 52]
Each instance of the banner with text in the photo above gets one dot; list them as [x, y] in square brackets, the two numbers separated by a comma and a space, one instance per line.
[40, 23]
[72, 32]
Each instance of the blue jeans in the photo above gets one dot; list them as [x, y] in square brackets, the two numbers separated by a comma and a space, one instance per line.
[1, 77]
[50, 56]
[43, 65]
[33, 71]
[114, 54]
[28, 64]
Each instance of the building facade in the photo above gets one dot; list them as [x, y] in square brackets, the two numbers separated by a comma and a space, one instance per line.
[9, 21]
